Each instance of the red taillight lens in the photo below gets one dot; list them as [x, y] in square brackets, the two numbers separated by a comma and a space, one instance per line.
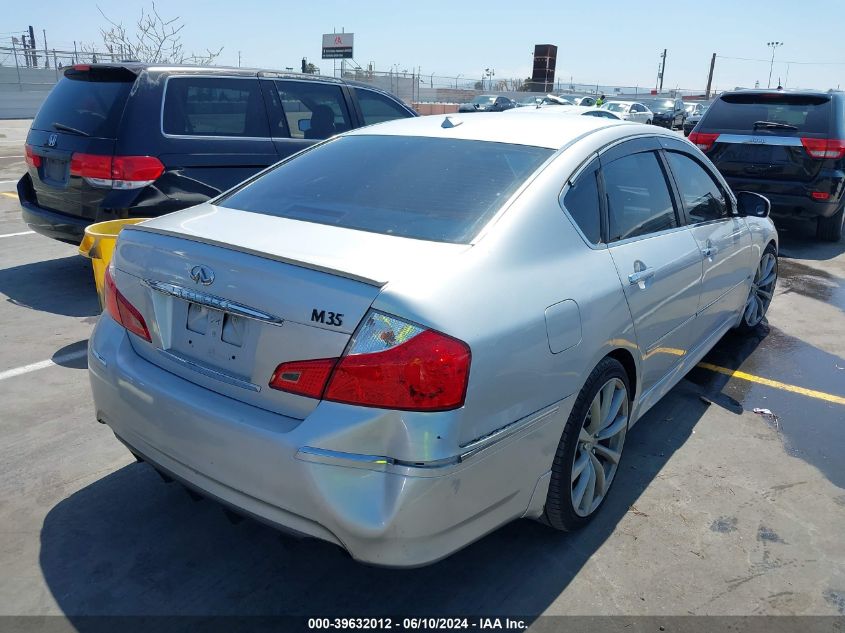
[121, 310]
[32, 159]
[703, 141]
[305, 377]
[820, 195]
[824, 147]
[391, 364]
[117, 172]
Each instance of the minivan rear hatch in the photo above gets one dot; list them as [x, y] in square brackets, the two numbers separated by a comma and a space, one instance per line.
[765, 136]
[80, 118]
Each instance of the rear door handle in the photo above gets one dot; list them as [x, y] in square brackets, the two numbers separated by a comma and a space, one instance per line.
[641, 275]
[709, 250]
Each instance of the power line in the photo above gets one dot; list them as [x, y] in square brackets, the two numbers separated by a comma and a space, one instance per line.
[783, 61]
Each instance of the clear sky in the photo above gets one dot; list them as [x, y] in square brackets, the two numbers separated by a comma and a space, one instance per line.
[611, 42]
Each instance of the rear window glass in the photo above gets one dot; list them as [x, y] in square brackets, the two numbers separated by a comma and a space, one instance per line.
[214, 106]
[808, 114]
[90, 102]
[434, 189]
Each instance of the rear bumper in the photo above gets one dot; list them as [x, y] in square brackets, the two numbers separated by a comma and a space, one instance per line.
[275, 469]
[58, 226]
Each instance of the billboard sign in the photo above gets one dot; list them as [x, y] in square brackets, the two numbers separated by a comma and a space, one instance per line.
[338, 45]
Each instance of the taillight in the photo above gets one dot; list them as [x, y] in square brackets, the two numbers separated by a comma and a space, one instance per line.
[704, 141]
[390, 364]
[32, 159]
[824, 147]
[821, 196]
[116, 172]
[121, 310]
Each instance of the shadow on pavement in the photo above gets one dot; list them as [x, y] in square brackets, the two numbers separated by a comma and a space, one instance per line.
[129, 544]
[58, 286]
[798, 240]
[73, 356]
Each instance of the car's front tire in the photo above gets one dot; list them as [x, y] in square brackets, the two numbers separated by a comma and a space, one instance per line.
[762, 290]
[588, 454]
[831, 229]
[648, 122]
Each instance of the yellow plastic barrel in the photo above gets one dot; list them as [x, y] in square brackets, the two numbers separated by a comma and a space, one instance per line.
[98, 246]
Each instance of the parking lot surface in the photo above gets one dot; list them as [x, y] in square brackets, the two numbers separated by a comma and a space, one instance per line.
[716, 509]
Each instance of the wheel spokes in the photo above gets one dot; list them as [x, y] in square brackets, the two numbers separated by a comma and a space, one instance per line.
[581, 487]
[579, 465]
[608, 453]
[601, 481]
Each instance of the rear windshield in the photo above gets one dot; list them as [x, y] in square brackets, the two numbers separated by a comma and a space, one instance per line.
[91, 102]
[435, 189]
[807, 114]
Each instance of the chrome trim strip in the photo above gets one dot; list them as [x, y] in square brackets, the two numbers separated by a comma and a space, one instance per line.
[501, 433]
[210, 373]
[762, 139]
[212, 301]
[99, 357]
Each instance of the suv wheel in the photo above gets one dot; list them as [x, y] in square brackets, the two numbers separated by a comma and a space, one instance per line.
[830, 229]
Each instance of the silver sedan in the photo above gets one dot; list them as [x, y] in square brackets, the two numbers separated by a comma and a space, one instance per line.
[413, 333]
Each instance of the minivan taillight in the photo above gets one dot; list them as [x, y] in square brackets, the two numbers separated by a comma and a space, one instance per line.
[32, 159]
[116, 172]
[703, 140]
[121, 310]
[390, 364]
[824, 147]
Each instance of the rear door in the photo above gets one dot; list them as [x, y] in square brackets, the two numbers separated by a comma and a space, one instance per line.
[656, 256]
[759, 137]
[376, 107]
[724, 240]
[81, 115]
[304, 112]
[215, 134]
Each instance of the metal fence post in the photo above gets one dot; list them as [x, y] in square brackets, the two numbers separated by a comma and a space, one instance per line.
[17, 68]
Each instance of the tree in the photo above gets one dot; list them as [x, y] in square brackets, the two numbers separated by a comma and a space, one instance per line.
[154, 39]
[311, 69]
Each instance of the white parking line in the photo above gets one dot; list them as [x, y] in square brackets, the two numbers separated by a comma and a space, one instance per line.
[18, 371]
[16, 234]
[8, 182]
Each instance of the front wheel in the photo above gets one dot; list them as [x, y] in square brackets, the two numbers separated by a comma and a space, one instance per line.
[588, 454]
[648, 122]
[762, 289]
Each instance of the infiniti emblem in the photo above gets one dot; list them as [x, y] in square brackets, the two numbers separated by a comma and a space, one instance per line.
[52, 140]
[202, 275]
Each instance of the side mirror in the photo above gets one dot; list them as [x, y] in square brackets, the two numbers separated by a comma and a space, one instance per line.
[304, 125]
[750, 204]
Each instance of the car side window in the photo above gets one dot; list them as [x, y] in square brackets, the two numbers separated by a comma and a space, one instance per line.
[582, 202]
[638, 198]
[703, 198]
[377, 108]
[313, 110]
[214, 106]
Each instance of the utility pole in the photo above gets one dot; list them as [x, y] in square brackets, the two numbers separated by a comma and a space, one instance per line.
[46, 56]
[710, 77]
[32, 47]
[239, 59]
[662, 71]
[774, 46]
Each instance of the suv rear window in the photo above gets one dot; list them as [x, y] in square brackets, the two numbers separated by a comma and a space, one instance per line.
[90, 101]
[435, 189]
[810, 114]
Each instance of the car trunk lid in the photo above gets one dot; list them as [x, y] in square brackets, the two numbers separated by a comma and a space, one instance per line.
[229, 295]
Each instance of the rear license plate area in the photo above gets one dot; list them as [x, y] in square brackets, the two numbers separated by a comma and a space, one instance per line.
[55, 172]
[753, 153]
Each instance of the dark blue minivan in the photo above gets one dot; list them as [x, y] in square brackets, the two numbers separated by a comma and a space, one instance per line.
[129, 140]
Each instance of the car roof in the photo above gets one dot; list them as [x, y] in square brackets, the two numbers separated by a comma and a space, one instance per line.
[520, 129]
[193, 69]
[808, 93]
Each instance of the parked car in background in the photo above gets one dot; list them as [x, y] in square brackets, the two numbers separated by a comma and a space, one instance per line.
[667, 112]
[557, 110]
[487, 103]
[529, 102]
[694, 113]
[587, 102]
[630, 111]
[786, 145]
[415, 333]
[134, 140]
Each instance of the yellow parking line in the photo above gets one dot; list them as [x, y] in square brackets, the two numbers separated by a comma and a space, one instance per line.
[810, 393]
[9, 194]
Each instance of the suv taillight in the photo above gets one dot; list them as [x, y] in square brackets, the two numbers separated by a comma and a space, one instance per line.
[116, 172]
[824, 147]
[121, 310]
[32, 159]
[704, 141]
[390, 364]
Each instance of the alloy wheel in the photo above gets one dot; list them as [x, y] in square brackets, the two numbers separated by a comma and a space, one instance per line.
[762, 289]
[599, 447]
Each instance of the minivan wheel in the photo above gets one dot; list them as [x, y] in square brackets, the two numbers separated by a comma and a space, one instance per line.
[648, 122]
[762, 289]
[588, 454]
[830, 229]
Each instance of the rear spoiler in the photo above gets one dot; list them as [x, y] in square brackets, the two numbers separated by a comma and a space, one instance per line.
[103, 72]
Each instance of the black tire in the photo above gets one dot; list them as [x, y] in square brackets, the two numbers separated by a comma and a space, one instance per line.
[559, 512]
[744, 327]
[648, 122]
[830, 229]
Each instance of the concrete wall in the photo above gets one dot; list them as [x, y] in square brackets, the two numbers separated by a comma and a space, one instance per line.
[23, 90]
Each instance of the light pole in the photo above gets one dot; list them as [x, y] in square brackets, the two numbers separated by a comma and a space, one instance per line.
[456, 80]
[774, 46]
[490, 72]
